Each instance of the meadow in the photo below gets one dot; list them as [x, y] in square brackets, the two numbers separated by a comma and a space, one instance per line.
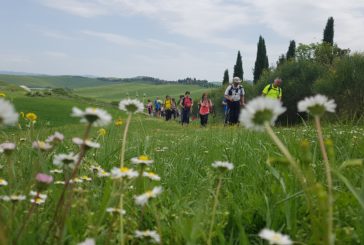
[199, 204]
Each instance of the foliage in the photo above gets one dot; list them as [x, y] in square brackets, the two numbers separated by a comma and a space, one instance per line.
[226, 79]
[328, 36]
[291, 53]
[261, 61]
[238, 67]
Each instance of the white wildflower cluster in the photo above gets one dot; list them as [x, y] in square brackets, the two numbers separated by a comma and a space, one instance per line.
[8, 115]
[117, 173]
[143, 199]
[88, 143]
[41, 145]
[153, 235]
[7, 147]
[13, 198]
[275, 237]
[116, 211]
[3, 182]
[38, 198]
[316, 105]
[131, 106]
[222, 165]
[69, 160]
[55, 138]
[142, 160]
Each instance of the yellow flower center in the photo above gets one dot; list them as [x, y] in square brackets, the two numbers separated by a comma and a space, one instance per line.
[118, 122]
[38, 200]
[151, 174]
[124, 169]
[276, 238]
[143, 158]
[41, 144]
[31, 116]
[2, 95]
[149, 193]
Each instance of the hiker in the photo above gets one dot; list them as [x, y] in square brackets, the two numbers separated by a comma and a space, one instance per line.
[226, 110]
[186, 105]
[205, 108]
[174, 109]
[149, 107]
[234, 94]
[157, 106]
[273, 90]
[179, 107]
[168, 107]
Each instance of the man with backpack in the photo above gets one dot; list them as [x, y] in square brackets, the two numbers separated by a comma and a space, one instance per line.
[234, 94]
[186, 105]
[273, 90]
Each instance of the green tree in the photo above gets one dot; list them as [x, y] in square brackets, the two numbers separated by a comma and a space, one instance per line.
[261, 61]
[291, 53]
[225, 81]
[238, 67]
[281, 60]
[329, 31]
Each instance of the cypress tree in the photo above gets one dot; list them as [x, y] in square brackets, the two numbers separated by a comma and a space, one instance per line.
[225, 81]
[329, 31]
[238, 67]
[261, 61]
[291, 53]
[281, 60]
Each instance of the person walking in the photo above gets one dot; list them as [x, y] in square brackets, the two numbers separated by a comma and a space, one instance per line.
[168, 107]
[186, 105]
[205, 107]
[234, 94]
[273, 90]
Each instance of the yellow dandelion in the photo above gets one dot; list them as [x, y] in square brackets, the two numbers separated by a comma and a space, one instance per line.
[31, 116]
[101, 132]
[2, 94]
[118, 122]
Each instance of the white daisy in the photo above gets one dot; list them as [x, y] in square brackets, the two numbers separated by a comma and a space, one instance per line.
[7, 147]
[102, 173]
[117, 173]
[76, 180]
[8, 115]
[38, 197]
[131, 106]
[151, 176]
[260, 111]
[115, 210]
[96, 116]
[3, 182]
[148, 233]
[56, 171]
[223, 165]
[56, 137]
[88, 143]
[316, 105]
[65, 159]
[85, 178]
[41, 145]
[144, 198]
[143, 159]
[13, 198]
[275, 237]
[59, 182]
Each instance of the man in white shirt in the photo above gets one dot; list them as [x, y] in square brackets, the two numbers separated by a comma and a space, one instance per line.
[234, 94]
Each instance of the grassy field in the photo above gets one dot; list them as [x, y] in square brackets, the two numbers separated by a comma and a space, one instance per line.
[254, 195]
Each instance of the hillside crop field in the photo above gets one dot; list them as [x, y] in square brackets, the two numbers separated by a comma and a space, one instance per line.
[197, 203]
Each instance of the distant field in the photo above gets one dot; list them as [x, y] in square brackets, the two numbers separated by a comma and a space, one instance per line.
[118, 91]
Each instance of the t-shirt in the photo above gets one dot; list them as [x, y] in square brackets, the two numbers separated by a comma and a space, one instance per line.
[235, 92]
[205, 107]
[273, 93]
[168, 104]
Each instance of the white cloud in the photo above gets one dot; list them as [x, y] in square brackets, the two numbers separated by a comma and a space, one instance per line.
[81, 8]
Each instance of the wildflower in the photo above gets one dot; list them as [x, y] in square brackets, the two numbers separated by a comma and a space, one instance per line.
[131, 106]
[148, 233]
[223, 165]
[3, 182]
[7, 148]
[76, 180]
[144, 198]
[151, 176]
[96, 116]
[65, 159]
[59, 182]
[316, 105]
[25, 88]
[88, 241]
[143, 159]
[101, 132]
[8, 116]
[22, 114]
[2, 94]
[88, 143]
[41, 145]
[43, 178]
[275, 237]
[55, 138]
[38, 198]
[13, 198]
[118, 122]
[56, 171]
[31, 116]
[115, 210]
[102, 173]
[123, 172]
[260, 111]
[86, 178]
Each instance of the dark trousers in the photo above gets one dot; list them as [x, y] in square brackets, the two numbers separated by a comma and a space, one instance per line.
[185, 115]
[234, 112]
[204, 119]
[168, 115]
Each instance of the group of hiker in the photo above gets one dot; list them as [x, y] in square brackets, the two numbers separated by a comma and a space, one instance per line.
[233, 102]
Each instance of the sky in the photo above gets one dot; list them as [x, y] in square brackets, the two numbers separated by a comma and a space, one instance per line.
[166, 39]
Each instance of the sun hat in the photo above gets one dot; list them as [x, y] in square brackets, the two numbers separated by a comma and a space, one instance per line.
[236, 80]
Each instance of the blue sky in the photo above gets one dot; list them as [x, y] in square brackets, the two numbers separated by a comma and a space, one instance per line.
[168, 39]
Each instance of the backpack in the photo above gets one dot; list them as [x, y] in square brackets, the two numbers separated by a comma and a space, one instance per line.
[238, 90]
[187, 103]
[279, 89]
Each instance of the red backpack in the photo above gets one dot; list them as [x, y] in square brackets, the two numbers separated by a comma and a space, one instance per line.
[187, 102]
